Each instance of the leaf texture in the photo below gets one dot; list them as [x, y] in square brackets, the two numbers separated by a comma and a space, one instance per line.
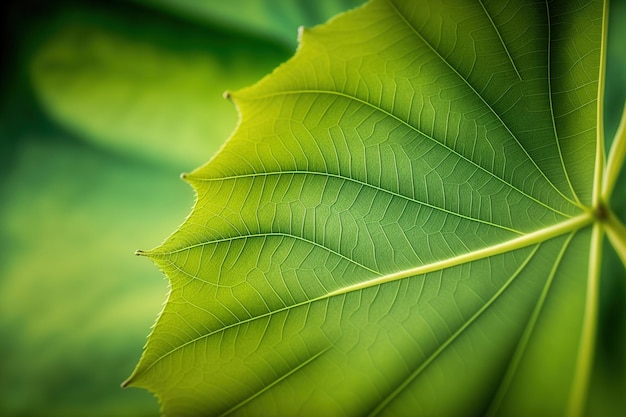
[403, 223]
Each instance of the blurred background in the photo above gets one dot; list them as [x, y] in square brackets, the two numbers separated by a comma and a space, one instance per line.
[102, 105]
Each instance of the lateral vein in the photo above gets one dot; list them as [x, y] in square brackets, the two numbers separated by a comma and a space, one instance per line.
[542, 235]
[573, 224]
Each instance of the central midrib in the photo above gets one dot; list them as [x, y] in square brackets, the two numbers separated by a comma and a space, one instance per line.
[571, 225]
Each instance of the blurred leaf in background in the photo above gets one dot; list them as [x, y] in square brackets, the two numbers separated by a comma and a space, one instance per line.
[103, 104]
[277, 20]
[144, 86]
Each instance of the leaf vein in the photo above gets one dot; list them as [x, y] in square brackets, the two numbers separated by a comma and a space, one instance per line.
[435, 141]
[480, 96]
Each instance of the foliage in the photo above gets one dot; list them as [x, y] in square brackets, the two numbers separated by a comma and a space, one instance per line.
[409, 218]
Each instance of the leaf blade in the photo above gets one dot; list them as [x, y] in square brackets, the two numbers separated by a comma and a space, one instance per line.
[397, 155]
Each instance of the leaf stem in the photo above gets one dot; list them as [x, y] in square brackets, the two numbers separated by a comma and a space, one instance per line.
[616, 159]
[588, 334]
[616, 232]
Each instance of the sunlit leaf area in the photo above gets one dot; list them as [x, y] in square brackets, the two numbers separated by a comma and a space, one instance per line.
[103, 104]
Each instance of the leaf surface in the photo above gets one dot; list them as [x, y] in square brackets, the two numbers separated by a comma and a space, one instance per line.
[408, 219]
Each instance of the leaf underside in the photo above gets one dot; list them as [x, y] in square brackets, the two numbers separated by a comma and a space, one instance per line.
[403, 222]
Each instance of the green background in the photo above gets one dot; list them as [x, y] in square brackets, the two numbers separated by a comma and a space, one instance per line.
[102, 105]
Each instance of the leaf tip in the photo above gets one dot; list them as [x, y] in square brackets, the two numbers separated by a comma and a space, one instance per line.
[185, 177]
[130, 381]
[140, 252]
[301, 30]
[227, 95]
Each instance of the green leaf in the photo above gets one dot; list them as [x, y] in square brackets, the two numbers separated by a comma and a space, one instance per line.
[153, 89]
[409, 220]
